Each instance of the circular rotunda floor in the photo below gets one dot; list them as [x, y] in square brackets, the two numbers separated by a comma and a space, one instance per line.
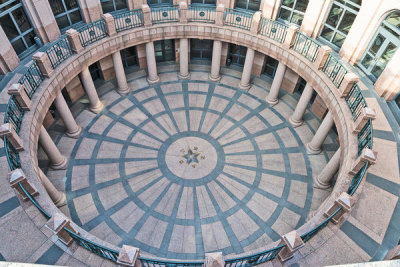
[182, 168]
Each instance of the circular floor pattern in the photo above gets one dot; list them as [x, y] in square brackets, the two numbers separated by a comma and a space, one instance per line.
[187, 167]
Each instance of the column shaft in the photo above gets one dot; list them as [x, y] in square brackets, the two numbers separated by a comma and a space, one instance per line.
[184, 59]
[95, 105]
[120, 74]
[216, 61]
[151, 64]
[57, 160]
[73, 129]
[56, 196]
[323, 180]
[246, 74]
[297, 117]
[314, 147]
[272, 97]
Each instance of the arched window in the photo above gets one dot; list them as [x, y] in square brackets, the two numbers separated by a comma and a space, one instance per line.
[253, 5]
[17, 27]
[339, 21]
[66, 12]
[113, 5]
[382, 46]
[292, 11]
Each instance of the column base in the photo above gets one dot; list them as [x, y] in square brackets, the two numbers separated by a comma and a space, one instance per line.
[98, 108]
[184, 76]
[294, 122]
[61, 165]
[245, 87]
[156, 80]
[217, 79]
[311, 150]
[272, 102]
[62, 201]
[317, 184]
[75, 134]
[123, 91]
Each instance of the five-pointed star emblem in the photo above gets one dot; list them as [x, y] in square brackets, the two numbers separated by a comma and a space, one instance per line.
[191, 157]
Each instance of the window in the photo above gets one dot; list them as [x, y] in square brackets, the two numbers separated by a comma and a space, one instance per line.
[205, 2]
[270, 66]
[159, 2]
[382, 47]
[253, 5]
[201, 49]
[113, 5]
[339, 21]
[293, 11]
[129, 56]
[164, 50]
[66, 12]
[236, 55]
[17, 27]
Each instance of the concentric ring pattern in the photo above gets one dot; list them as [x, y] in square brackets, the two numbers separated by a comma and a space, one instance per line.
[187, 167]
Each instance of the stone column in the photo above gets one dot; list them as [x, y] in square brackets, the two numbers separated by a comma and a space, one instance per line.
[297, 117]
[314, 147]
[58, 161]
[315, 17]
[9, 60]
[184, 59]
[246, 74]
[151, 64]
[58, 197]
[120, 73]
[73, 129]
[272, 97]
[216, 61]
[91, 10]
[323, 180]
[95, 105]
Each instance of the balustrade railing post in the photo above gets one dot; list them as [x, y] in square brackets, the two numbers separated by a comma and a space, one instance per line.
[74, 41]
[110, 24]
[344, 201]
[21, 96]
[290, 36]
[183, 8]
[366, 114]
[323, 53]
[9, 132]
[128, 256]
[57, 223]
[220, 15]
[215, 259]
[293, 242]
[367, 155]
[255, 22]
[43, 63]
[17, 176]
[146, 15]
[347, 83]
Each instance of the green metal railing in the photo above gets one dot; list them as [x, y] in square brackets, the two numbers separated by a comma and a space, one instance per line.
[273, 29]
[357, 179]
[12, 155]
[32, 199]
[238, 18]
[128, 20]
[92, 32]
[365, 137]
[355, 101]
[254, 259]
[334, 70]
[59, 51]
[307, 236]
[165, 14]
[146, 262]
[201, 13]
[14, 113]
[306, 46]
[31, 79]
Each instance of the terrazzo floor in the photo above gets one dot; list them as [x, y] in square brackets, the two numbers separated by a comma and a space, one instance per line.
[182, 168]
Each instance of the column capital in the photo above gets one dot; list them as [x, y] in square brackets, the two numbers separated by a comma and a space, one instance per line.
[293, 242]
[220, 15]
[348, 82]
[74, 41]
[146, 15]
[344, 201]
[128, 256]
[365, 115]
[21, 96]
[255, 22]
[290, 36]
[110, 24]
[215, 259]
[16, 177]
[367, 155]
[8, 131]
[323, 53]
[57, 223]
[44, 64]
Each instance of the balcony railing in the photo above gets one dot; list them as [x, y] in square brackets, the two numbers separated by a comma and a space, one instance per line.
[31, 79]
[165, 14]
[238, 18]
[59, 51]
[128, 20]
[306, 46]
[92, 32]
[201, 13]
[355, 101]
[273, 29]
[334, 70]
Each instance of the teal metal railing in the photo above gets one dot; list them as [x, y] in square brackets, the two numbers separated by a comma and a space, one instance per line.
[306, 46]
[365, 137]
[34, 202]
[128, 20]
[12, 155]
[254, 259]
[164, 14]
[334, 70]
[307, 236]
[357, 179]
[92, 32]
[14, 113]
[273, 29]
[355, 101]
[146, 262]
[238, 18]
[201, 13]
[59, 51]
[31, 79]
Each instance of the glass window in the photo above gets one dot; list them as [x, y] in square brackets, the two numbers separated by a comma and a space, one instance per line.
[113, 5]
[129, 57]
[164, 50]
[205, 2]
[292, 11]
[201, 49]
[66, 12]
[339, 21]
[270, 66]
[17, 27]
[159, 2]
[236, 55]
[253, 5]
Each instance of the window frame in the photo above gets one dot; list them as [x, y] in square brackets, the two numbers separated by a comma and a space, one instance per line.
[67, 13]
[292, 11]
[114, 6]
[247, 6]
